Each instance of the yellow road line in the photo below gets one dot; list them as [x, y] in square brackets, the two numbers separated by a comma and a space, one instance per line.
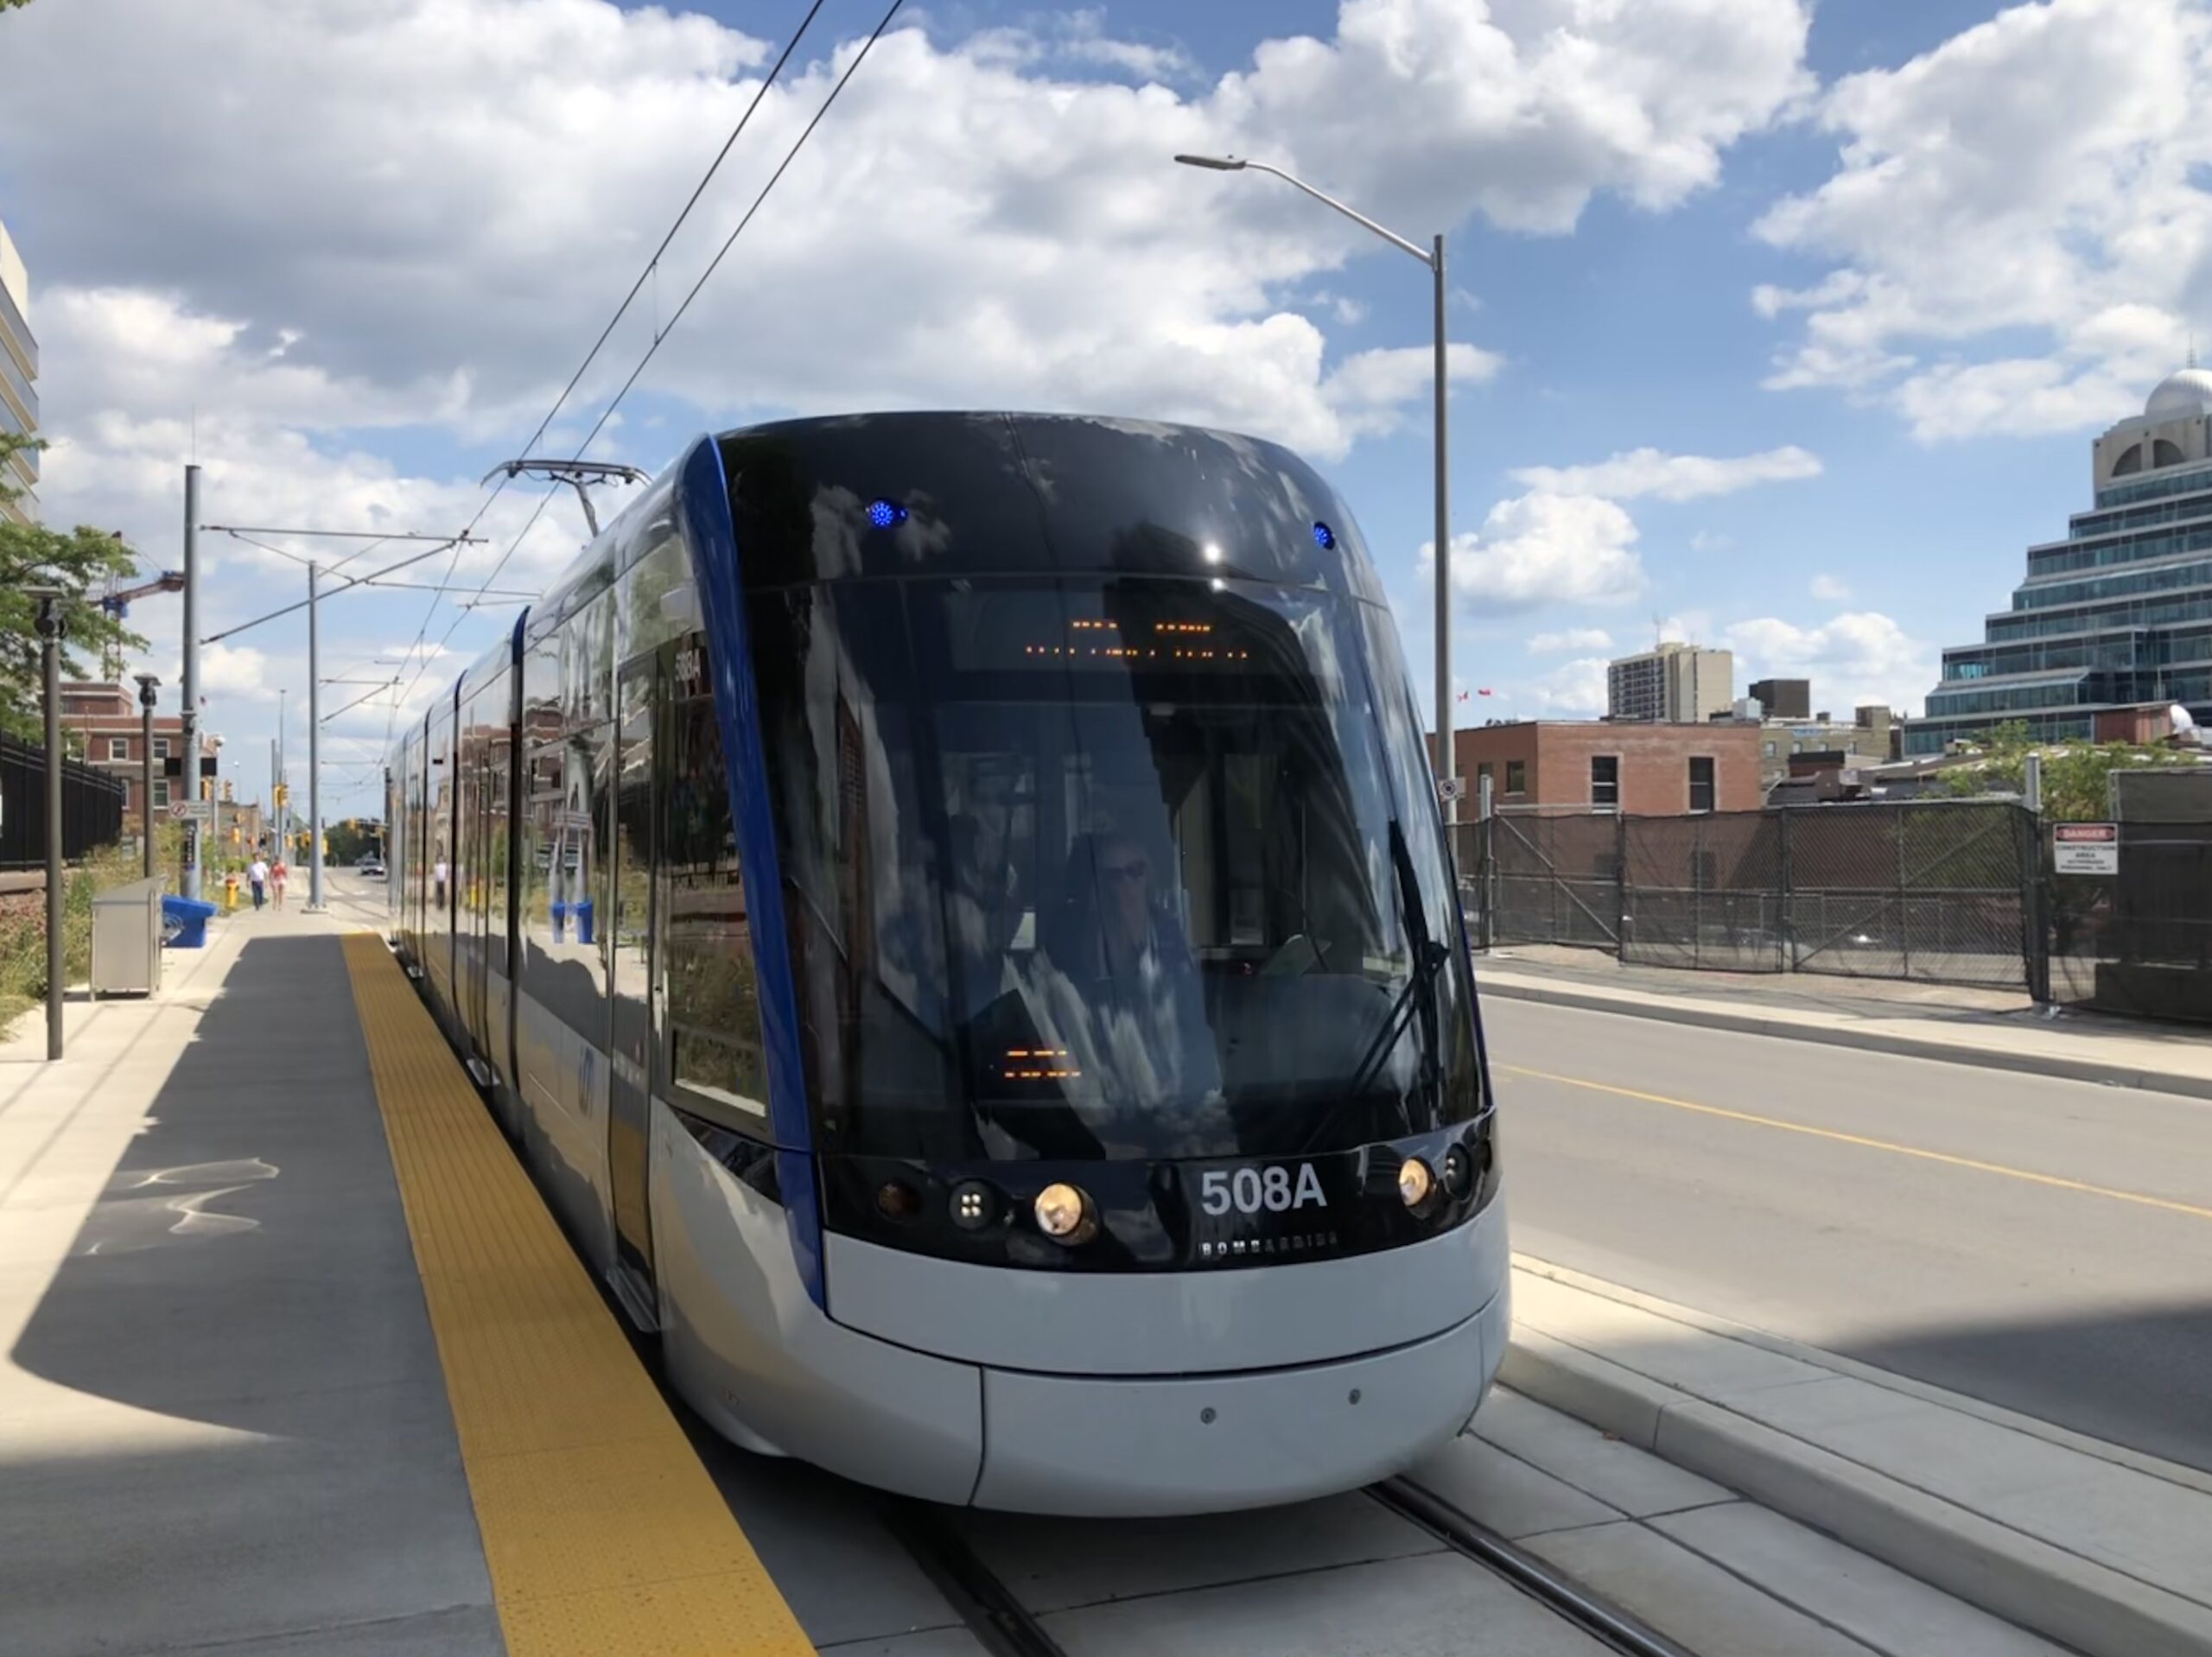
[601, 1530]
[2029, 1175]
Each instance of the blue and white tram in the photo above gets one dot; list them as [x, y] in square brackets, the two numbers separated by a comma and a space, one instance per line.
[952, 911]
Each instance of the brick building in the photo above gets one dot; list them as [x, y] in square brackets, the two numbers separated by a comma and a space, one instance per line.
[1641, 768]
[101, 723]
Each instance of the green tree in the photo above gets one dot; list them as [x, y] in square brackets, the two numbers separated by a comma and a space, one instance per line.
[2076, 775]
[349, 838]
[79, 562]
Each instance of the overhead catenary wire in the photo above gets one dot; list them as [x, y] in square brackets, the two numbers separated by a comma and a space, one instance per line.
[676, 315]
[648, 272]
[346, 584]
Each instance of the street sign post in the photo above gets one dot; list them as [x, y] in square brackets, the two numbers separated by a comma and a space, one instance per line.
[2085, 847]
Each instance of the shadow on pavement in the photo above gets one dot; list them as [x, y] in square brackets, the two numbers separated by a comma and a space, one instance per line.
[2141, 1378]
[249, 1247]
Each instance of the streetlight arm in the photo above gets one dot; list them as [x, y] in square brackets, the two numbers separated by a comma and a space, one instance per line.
[1327, 201]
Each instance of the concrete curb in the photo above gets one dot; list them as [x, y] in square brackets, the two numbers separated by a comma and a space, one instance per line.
[2026, 1581]
[1755, 1024]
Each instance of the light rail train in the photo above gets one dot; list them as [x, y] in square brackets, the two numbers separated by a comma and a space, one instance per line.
[952, 911]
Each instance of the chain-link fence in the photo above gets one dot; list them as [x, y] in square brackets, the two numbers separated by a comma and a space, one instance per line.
[1943, 892]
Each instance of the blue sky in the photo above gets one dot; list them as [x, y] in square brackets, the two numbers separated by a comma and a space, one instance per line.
[1787, 328]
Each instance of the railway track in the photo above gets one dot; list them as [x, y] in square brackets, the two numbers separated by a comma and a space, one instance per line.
[1005, 1627]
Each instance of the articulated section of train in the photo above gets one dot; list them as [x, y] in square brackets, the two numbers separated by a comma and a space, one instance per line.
[952, 911]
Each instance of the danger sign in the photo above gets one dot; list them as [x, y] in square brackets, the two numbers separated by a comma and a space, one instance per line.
[2085, 847]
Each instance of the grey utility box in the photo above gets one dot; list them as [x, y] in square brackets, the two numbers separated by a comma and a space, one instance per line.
[127, 939]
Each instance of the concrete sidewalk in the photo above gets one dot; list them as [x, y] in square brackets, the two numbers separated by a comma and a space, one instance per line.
[223, 1423]
[2096, 1547]
[1992, 1029]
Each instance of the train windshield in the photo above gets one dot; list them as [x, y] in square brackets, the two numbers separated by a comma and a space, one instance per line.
[1130, 868]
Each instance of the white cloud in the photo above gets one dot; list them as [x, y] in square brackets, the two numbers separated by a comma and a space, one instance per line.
[2040, 173]
[1084, 40]
[1639, 473]
[1572, 639]
[1829, 590]
[1369, 390]
[1538, 549]
[318, 232]
[1574, 689]
[373, 182]
[1856, 658]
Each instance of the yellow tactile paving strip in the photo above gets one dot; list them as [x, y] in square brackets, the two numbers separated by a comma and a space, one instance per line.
[602, 1532]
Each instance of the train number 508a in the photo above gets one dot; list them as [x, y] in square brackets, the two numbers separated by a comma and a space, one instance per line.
[1273, 1189]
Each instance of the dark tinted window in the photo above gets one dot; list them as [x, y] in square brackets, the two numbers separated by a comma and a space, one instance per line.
[1605, 779]
[1701, 784]
[1517, 777]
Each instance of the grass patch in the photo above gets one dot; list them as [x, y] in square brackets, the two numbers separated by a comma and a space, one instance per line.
[22, 921]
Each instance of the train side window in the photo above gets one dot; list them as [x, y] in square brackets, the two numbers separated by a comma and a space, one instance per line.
[712, 1045]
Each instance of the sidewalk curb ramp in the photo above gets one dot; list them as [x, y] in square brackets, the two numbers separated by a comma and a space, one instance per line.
[2061, 1596]
[1708, 1016]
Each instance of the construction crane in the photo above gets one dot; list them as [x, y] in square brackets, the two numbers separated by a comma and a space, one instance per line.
[117, 603]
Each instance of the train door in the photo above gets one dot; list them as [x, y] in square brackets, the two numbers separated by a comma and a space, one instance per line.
[630, 1046]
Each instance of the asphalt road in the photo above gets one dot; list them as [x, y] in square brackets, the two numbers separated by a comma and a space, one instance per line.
[2044, 1245]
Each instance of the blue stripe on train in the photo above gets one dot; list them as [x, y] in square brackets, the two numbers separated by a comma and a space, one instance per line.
[702, 508]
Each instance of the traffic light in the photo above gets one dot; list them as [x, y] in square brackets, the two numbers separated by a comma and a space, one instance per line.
[207, 788]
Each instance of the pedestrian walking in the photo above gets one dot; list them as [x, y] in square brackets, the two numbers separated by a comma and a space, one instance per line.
[277, 875]
[259, 877]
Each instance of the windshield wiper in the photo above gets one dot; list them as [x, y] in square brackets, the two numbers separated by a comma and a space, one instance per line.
[1428, 958]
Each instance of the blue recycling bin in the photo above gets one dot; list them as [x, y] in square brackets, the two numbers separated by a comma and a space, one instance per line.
[579, 912]
[184, 922]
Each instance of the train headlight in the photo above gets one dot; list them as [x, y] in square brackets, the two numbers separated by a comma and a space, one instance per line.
[1415, 1182]
[1063, 1215]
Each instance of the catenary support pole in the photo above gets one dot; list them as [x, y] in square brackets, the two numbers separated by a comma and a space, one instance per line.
[190, 771]
[1447, 760]
[315, 753]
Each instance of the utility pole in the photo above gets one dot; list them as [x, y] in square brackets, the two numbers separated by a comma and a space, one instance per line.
[53, 627]
[315, 753]
[191, 769]
[313, 605]
[149, 689]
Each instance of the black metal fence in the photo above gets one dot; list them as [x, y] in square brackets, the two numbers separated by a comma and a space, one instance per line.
[92, 807]
[1944, 891]
[2138, 940]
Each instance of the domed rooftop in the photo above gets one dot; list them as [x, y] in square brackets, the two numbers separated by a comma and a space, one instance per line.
[2185, 391]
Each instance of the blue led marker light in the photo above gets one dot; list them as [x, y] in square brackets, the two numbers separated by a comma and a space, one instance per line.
[884, 513]
[1324, 537]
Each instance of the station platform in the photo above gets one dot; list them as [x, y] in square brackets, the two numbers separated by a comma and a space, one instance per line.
[293, 1361]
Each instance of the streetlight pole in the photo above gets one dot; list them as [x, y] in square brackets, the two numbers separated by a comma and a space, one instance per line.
[53, 626]
[1446, 761]
[149, 688]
